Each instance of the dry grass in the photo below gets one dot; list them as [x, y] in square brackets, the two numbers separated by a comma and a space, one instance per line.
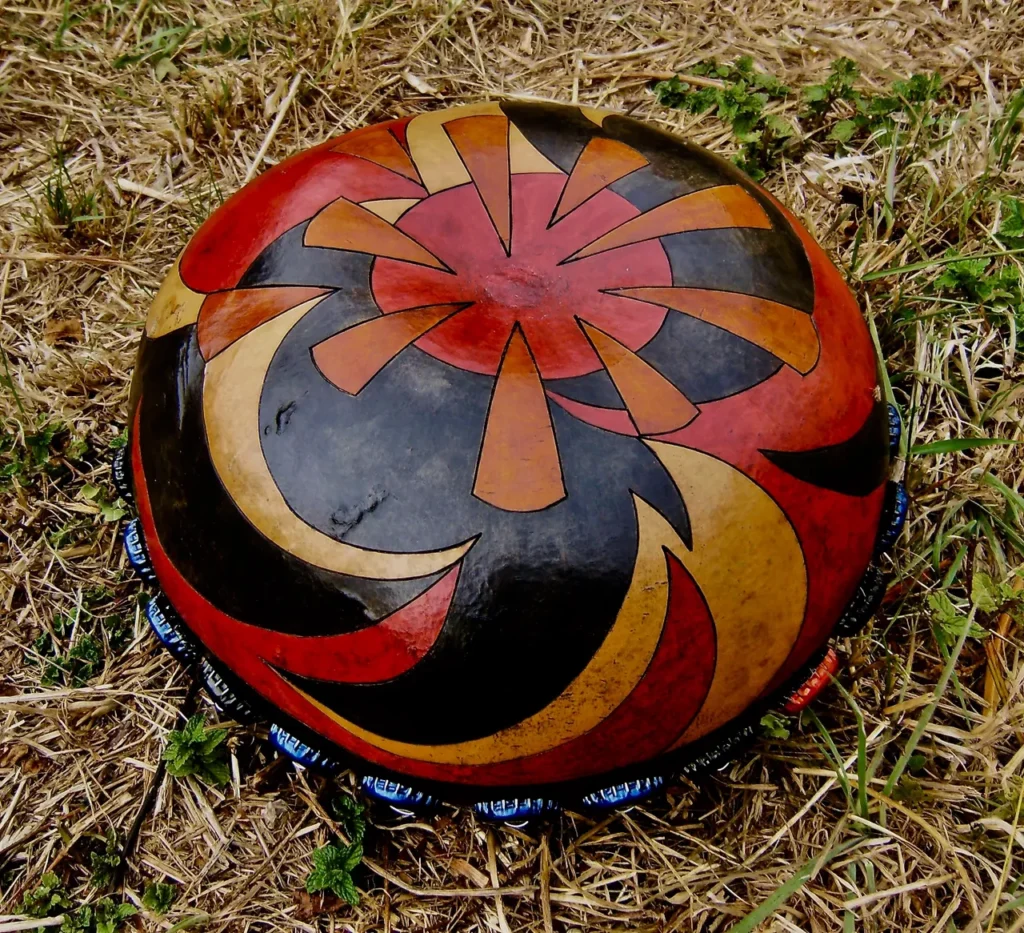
[151, 144]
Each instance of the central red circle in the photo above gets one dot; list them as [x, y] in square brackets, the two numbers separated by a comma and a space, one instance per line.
[531, 284]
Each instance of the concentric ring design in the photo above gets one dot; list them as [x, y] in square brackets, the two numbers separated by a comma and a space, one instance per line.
[507, 445]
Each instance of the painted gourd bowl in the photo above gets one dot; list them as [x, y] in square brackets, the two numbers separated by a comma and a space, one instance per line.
[518, 453]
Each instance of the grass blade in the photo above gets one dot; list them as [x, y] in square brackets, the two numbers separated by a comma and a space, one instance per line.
[954, 444]
[929, 711]
[786, 890]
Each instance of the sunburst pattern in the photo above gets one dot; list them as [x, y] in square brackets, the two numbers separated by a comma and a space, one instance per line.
[512, 268]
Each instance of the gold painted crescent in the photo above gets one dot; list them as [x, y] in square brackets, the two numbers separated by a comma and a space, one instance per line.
[749, 565]
[231, 399]
[174, 306]
[609, 678]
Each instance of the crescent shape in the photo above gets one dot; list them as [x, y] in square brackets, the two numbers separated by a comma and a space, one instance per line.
[749, 565]
[232, 385]
[610, 677]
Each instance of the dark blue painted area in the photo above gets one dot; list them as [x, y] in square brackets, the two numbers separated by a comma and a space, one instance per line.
[706, 362]
[287, 261]
[855, 467]
[767, 263]
[592, 389]
[393, 469]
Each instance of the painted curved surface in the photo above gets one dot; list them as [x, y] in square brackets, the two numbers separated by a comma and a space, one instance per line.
[231, 395]
[659, 509]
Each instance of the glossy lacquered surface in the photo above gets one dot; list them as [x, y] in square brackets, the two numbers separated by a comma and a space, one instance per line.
[507, 446]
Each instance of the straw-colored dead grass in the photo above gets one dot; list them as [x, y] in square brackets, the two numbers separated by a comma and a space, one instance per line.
[158, 141]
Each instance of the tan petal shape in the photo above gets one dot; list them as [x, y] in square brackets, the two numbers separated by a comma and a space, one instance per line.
[785, 332]
[482, 144]
[655, 405]
[519, 468]
[601, 162]
[350, 359]
[174, 306]
[707, 209]
[346, 225]
[390, 208]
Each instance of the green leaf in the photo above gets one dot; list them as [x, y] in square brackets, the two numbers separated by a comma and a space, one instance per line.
[164, 68]
[780, 126]
[109, 916]
[948, 622]
[346, 890]
[983, 592]
[158, 897]
[47, 899]
[1011, 224]
[349, 813]
[775, 726]
[843, 131]
[104, 862]
[332, 871]
[195, 750]
[954, 444]
[111, 511]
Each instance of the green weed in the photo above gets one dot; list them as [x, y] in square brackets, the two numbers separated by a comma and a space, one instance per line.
[949, 620]
[197, 750]
[775, 726]
[159, 48]
[879, 116]
[47, 899]
[112, 507]
[72, 651]
[158, 897]
[204, 199]
[28, 454]
[105, 861]
[349, 812]
[741, 95]
[104, 916]
[739, 100]
[332, 871]
[69, 204]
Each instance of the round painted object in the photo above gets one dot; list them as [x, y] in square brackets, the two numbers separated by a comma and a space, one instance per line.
[521, 452]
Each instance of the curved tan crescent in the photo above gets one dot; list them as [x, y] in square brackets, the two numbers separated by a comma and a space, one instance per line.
[609, 678]
[749, 565]
[231, 400]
